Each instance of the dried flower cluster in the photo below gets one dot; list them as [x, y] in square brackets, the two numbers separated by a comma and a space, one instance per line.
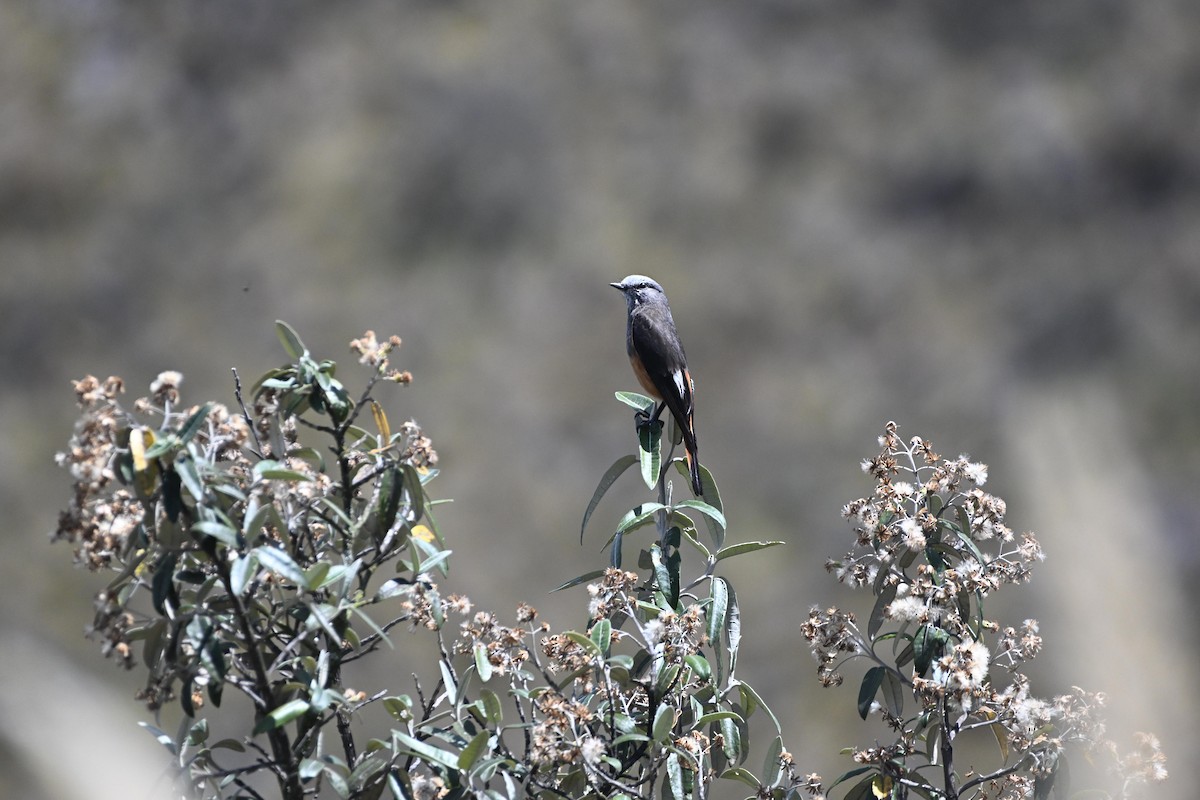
[932, 545]
[832, 634]
[374, 353]
[113, 477]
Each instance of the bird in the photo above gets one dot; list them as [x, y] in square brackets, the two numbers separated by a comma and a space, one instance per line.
[659, 362]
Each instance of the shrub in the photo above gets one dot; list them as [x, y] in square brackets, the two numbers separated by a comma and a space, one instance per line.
[257, 551]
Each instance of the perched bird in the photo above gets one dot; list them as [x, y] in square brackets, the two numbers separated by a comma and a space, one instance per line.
[658, 360]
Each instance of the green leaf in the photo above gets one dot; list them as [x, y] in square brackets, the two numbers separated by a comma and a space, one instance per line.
[664, 721]
[218, 530]
[638, 516]
[689, 535]
[254, 521]
[241, 572]
[879, 612]
[584, 578]
[928, 645]
[733, 630]
[935, 504]
[161, 447]
[666, 679]
[867, 691]
[493, 710]
[906, 654]
[666, 573]
[744, 547]
[610, 477]
[650, 451]
[964, 535]
[699, 665]
[711, 495]
[399, 707]
[336, 572]
[638, 401]
[741, 774]
[163, 738]
[863, 790]
[273, 470]
[154, 635]
[731, 732]
[171, 494]
[584, 642]
[675, 776]
[933, 738]
[772, 765]
[229, 744]
[473, 750]
[710, 511]
[893, 693]
[749, 695]
[292, 709]
[425, 751]
[391, 490]
[482, 665]
[315, 576]
[719, 595]
[198, 733]
[290, 340]
[279, 562]
[163, 585]
[186, 467]
[448, 680]
[601, 635]
[367, 781]
[621, 661]
[194, 423]
[845, 776]
[438, 559]
[1058, 781]
[337, 783]
[277, 381]
[630, 737]
[319, 617]
[717, 716]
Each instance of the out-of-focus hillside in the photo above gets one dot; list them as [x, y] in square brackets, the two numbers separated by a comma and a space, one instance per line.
[977, 219]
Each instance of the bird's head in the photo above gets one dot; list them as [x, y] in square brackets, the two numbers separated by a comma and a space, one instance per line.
[639, 289]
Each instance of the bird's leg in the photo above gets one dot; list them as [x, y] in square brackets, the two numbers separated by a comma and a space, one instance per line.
[643, 417]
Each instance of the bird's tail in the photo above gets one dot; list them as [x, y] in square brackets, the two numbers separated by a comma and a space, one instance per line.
[692, 451]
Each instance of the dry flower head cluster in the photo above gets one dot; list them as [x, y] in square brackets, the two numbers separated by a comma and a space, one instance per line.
[931, 545]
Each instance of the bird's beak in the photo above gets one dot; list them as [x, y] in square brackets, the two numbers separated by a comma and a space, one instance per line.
[617, 286]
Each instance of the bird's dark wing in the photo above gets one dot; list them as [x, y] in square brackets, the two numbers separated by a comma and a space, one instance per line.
[653, 338]
[654, 343]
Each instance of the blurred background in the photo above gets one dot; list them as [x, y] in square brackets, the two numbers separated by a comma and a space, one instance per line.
[977, 219]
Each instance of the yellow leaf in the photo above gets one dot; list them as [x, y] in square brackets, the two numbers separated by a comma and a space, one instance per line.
[881, 787]
[139, 439]
[423, 533]
[1001, 740]
[381, 422]
[145, 474]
